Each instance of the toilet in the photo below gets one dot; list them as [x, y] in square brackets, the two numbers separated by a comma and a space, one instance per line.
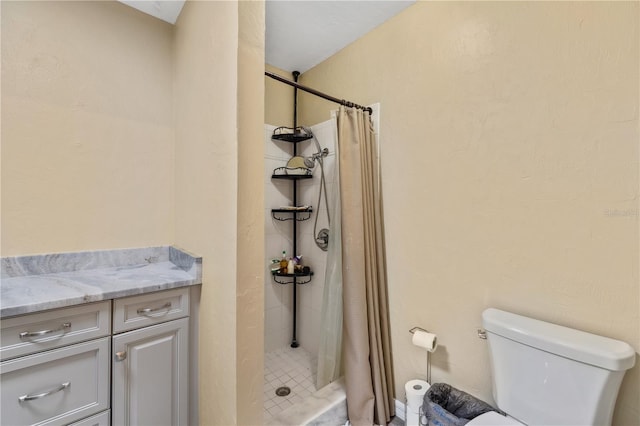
[546, 374]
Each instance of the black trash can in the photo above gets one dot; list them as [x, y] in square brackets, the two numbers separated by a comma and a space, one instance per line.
[444, 405]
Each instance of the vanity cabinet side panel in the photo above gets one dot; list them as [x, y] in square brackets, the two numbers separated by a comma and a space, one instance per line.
[194, 375]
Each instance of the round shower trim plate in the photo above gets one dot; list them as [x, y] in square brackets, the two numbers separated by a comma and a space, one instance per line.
[283, 391]
[322, 240]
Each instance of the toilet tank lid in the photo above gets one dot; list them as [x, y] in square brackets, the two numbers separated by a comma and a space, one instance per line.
[578, 345]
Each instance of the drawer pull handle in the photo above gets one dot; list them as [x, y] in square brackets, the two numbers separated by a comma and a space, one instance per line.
[147, 311]
[28, 334]
[51, 391]
[121, 356]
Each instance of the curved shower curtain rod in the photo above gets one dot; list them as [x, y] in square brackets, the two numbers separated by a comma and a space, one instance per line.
[317, 93]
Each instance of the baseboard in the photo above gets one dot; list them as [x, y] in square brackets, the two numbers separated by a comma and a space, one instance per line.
[400, 410]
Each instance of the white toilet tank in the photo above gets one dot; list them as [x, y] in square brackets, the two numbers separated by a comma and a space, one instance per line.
[546, 374]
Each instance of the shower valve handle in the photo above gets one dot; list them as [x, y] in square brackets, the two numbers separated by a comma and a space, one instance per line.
[322, 239]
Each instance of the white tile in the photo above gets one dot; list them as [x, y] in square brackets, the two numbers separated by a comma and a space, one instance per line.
[287, 300]
[282, 149]
[277, 193]
[269, 378]
[267, 166]
[284, 231]
[274, 246]
[308, 193]
[293, 368]
[271, 149]
[273, 319]
[284, 404]
[326, 133]
[306, 247]
[272, 293]
[305, 230]
[305, 297]
[272, 340]
[275, 410]
[269, 226]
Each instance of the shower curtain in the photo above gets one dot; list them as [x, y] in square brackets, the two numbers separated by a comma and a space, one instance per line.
[366, 344]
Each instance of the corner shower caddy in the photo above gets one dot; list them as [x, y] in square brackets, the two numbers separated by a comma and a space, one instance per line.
[295, 135]
[295, 215]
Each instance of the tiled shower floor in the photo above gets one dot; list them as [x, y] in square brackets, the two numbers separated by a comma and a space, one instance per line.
[287, 366]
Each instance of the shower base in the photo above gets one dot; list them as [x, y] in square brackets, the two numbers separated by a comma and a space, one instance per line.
[291, 368]
[326, 407]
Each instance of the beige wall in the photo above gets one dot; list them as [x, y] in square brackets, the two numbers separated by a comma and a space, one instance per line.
[120, 131]
[86, 100]
[206, 187]
[278, 109]
[218, 132]
[509, 136]
[250, 230]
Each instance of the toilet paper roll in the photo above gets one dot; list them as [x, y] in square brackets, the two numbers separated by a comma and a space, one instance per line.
[429, 341]
[415, 390]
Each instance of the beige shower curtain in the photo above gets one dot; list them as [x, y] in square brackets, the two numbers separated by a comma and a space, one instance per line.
[366, 345]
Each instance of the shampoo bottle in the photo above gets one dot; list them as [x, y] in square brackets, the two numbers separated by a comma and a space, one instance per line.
[283, 263]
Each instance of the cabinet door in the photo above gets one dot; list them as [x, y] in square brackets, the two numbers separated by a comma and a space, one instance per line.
[150, 375]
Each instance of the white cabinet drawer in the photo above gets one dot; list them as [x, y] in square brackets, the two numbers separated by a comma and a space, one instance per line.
[51, 329]
[56, 387]
[102, 419]
[140, 311]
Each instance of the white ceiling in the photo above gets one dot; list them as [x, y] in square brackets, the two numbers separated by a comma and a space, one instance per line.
[301, 33]
[167, 10]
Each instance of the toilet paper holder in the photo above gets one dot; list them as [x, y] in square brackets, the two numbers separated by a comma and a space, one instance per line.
[412, 331]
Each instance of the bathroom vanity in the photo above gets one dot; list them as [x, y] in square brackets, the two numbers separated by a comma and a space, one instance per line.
[100, 338]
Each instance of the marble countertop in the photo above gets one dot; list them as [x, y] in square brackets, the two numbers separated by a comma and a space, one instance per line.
[36, 283]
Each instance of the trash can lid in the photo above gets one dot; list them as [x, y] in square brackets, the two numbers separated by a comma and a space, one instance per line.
[493, 418]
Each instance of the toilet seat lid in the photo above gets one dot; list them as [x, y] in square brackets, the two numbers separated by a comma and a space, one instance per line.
[493, 418]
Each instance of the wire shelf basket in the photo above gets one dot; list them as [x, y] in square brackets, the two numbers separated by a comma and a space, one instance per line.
[290, 134]
[292, 171]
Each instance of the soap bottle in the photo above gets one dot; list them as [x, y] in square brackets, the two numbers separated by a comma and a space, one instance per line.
[283, 263]
[291, 267]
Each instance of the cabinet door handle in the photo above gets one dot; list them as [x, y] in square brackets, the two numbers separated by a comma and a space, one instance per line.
[42, 394]
[146, 311]
[29, 334]
[121, 356]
